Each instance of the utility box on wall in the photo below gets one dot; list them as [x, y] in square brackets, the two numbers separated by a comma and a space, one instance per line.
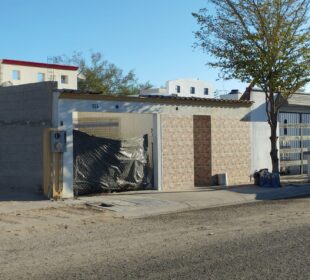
[54, 145]
[58, 141]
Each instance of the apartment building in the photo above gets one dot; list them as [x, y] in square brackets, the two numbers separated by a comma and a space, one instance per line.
[18, 72]
[182, 88]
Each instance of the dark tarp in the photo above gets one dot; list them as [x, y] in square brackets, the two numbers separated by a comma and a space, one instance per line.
[105, 165]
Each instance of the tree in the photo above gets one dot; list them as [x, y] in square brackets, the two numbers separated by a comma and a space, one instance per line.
[100, 76]
[265, 42]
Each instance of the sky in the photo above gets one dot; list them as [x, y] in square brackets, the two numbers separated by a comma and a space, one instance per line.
[153, 37]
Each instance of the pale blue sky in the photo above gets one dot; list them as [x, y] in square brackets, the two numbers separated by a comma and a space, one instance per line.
[153, 37]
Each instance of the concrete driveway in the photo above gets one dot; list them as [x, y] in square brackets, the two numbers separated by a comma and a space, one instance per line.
[149, 203]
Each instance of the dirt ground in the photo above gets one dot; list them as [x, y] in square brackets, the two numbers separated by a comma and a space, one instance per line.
[81, 243]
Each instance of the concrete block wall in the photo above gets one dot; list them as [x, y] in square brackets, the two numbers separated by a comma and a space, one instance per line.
[202, 150]
[21, 158]
[25, 111]
[32, 102]
[177, 152]
[231, 150]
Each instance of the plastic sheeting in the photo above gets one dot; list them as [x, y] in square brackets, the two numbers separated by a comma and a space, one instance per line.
[105, 165]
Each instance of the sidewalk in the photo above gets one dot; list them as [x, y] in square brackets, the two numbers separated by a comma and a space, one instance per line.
[143, 204]
[150, 203]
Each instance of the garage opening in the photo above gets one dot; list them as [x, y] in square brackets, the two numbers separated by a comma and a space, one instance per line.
[294, 140]
[112, 152]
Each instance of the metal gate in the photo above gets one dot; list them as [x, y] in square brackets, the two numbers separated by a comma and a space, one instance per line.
[294, 141]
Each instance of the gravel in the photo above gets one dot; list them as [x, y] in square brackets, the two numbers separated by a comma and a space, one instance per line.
[267, 240]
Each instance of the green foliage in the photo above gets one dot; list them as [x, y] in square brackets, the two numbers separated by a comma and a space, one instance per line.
[265, 42]
[100, 76]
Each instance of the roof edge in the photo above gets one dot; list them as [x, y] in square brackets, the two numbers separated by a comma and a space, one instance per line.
[71, 94]
[39, 64]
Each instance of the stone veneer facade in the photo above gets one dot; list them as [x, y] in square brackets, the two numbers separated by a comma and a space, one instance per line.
[195, 149]
[231, 150]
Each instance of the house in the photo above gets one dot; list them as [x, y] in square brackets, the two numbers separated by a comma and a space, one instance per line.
[17, 72]
[182, 88]
[293, 131]
[234, 94]
[186, 138]
[49, 140]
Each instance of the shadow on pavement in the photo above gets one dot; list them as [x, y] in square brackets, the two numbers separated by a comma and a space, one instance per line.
[20, 196]
[288, 191]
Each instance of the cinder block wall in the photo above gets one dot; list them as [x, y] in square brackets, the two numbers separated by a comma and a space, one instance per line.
[24, 113]
[231, 150]
[202, 150]
[177, 152]
[21, 158]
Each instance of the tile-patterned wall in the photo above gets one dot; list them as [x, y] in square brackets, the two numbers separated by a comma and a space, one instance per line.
[231, 150]
[177, 152]
[195, 149]
[202, 150]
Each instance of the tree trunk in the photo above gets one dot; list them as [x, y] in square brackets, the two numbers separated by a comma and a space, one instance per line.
[272, 114]
[274, 148]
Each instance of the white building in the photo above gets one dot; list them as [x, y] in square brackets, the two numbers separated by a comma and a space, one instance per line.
[182, 88]
[235, 94]
[17, 72]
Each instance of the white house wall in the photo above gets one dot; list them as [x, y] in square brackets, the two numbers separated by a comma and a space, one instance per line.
[83, 105]
[260, 133]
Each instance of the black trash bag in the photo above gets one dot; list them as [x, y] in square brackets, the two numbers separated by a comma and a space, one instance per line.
[258, 174]
[264, 178]
[107, 165]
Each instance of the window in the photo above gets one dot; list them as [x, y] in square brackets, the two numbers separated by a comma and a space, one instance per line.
[16, 75]
[206, 91]
[64, 79]
[192, 89]
[41, 77]
[285, 128]
[178, 89]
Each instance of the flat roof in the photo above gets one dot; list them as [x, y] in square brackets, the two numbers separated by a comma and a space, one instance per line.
[298, 99]
[90, 95]
[39, 64]
[247, 94]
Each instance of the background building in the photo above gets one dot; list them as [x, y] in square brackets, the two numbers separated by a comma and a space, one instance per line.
[17, 72]
[234, 94]
[183, 88]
